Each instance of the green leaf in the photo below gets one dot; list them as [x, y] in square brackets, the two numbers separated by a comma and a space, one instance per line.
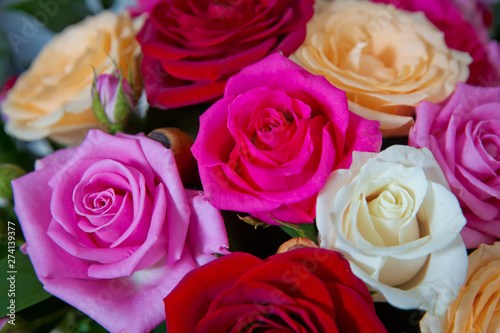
[28, 290]
[310, 231]
[52, 14]
[495, 27]
[44, 316]
[291, 231]
[7, 214]
[162, 328]
[80, 322]
[306, 230]
[10, 153]
[6, 65]
[20, 326]
[8, 172]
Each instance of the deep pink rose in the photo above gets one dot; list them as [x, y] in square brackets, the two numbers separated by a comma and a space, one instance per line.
[111, 230]
[458, 33]
[192, 47]
[463, 134]
[9, 83]
[267, 147]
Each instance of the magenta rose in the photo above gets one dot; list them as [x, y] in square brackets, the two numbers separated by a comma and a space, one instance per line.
[267, 147]
[463, 134]
[459, 34]
[191, 48]
[304, 290]
[111, 230]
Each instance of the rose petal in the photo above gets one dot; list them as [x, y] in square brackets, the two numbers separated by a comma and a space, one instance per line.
[42, 249]
[210, 228]
[203, 291]
[162, 162]
[430, 291]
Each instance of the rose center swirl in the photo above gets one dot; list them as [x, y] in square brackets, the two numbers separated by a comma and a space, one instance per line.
[391, 212]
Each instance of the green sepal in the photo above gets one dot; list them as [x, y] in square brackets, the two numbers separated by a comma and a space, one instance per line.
[254, 222]
[305, 230]
[122, 107]
[97, 106]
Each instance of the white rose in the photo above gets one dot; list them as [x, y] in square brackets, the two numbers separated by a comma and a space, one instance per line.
[394, 218]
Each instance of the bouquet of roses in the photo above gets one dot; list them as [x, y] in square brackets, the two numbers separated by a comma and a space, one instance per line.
[253, 166]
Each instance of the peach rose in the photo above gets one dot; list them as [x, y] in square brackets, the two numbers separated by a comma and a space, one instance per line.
[387, 60]
[477, 308]
[53, 97]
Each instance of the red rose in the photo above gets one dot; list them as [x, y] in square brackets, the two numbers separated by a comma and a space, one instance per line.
[304, 290]
[191, 48]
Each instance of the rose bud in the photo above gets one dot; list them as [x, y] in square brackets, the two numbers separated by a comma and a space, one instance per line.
[8, 172]
[113, 101]
[296, 243]
[180, 143]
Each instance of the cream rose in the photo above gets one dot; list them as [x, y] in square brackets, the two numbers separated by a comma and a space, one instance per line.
[477, 307]
[53, 97]
[393, 217]
[386, 60]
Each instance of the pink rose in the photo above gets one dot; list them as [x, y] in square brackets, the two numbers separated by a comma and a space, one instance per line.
[3, 321]
[111, 230]
[463, 134]
[458, 33]
[191, 48]
[267, 147]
